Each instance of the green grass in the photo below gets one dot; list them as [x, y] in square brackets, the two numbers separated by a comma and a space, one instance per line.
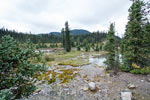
[75, 63]
[61, 56]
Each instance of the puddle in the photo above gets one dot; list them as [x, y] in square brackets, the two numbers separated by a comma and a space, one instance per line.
[98, 60]
[45, 51]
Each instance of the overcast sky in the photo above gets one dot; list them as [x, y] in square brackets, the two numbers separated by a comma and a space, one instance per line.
[41, 16]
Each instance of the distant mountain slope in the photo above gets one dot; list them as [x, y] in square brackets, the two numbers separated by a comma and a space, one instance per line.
[79, 31]
[74, 32]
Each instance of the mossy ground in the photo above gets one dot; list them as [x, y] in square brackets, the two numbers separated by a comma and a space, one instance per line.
[73, 59]
[63, 58]
[64, 75]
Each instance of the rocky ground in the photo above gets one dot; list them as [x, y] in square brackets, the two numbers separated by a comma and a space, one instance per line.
[108, 87]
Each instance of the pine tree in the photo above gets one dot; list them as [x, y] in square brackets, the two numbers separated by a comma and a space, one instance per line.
[133, 36]
[78, 45]
[16, 68]
[63, 37]
[117, 62]
[67, 39]
[110, 47]
[146, 44]
[97, 48]
[72, 42]
[86, 45]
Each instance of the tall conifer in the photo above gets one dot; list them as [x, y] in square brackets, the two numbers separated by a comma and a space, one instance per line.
[110, 47]
[134, 36]
[63, 37]
[67, 39]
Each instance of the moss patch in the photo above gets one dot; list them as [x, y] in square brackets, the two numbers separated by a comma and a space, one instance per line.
[74, 63]
[65, 75]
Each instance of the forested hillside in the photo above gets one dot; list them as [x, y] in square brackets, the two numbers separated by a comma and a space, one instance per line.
[52, 37]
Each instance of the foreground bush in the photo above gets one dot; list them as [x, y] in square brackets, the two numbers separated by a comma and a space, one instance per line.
[6, 94]
[47, 58]
[143, 71]
[16, 68]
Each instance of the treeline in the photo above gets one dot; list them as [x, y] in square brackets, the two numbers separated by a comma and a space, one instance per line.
[94, 37]
[23, 37]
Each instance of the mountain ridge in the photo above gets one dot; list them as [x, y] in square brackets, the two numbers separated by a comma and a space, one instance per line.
[74, 32]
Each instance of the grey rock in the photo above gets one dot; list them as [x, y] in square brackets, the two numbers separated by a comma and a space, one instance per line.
[131, 86]
[92, 86]
[126, 96]
[85, 88]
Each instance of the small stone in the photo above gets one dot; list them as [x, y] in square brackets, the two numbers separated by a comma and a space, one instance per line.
[148, 79]
[65, 86]
[126, 96]
[92, 86]
[142, 80]
[110, 82]
[85, 81]
[131, 86]
[108, 75]
[84, 88]
[66, 89]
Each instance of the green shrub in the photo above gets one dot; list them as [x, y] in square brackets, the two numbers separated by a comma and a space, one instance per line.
[47, 58]
[125, 68]
[78, 48]
[6, 94]
[135, 71]
[16, 67]
[143, 71]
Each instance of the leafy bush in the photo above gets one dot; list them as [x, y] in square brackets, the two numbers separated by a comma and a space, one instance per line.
[6, 94]
[145, 70]
[78, 48]
[16, 67]
[47, 58]
[125, 68]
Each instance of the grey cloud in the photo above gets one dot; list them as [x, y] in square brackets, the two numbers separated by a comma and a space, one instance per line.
[49, 15]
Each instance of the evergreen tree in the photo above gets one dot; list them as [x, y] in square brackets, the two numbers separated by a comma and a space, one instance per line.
[96, 47]
[67, 41]
[72, 42]
[117, 62]
[17, 71]
[110, 47]
[63, 37]
[146, 44]
[133, 46]
[78, 45]
[101, 47]
[86, 45]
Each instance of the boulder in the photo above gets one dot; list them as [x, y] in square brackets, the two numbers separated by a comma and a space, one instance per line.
[131, 86]
[92, 86]
[126, 95]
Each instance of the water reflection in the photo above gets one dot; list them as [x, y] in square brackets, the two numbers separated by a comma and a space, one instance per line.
[98, 60]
